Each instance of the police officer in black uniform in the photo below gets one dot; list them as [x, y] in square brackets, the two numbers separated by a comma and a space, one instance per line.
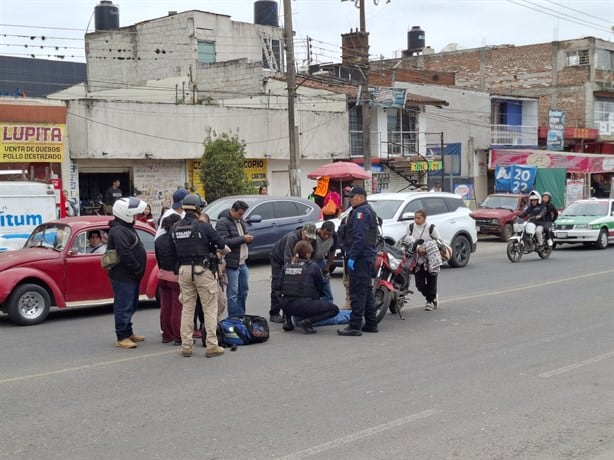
[302, 286]
[359, 239]
[195, 242]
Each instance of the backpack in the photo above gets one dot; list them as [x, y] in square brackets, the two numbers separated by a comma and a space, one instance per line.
[445, 250]
[242, 330]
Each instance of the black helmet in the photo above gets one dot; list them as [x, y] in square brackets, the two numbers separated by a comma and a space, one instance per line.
[191, 202]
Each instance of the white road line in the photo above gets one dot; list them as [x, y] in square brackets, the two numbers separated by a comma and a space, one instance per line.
[571, 367]
[359, 435]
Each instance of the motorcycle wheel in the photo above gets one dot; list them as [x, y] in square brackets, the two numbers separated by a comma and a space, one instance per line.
[382, 298]
[514, 251]
[545, 253]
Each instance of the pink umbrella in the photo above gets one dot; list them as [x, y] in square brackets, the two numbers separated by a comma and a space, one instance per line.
[340, 170]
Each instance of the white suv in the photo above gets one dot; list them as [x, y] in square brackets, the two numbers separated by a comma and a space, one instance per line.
[446, 210]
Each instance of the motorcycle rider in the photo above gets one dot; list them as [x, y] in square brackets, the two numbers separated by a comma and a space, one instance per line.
[535, 211]
[550, 216]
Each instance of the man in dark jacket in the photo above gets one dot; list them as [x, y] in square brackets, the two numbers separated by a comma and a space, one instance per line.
[282, 253]
[126, 275]
[232, 229]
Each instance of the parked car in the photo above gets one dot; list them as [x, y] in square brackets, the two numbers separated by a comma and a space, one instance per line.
[268, 218]
[496, 214]
[54, 269]
[586, 221]
[446, 210]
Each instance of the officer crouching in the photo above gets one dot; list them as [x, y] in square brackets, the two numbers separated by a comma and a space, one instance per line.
[195, 242]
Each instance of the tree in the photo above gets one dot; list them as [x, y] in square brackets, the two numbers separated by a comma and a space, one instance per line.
[222, 167]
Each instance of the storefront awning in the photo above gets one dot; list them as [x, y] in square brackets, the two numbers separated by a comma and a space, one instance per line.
[572, 162]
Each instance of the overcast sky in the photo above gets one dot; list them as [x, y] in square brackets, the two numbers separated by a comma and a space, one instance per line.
[467, 23]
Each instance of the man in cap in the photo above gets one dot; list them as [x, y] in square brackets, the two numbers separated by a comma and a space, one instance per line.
[281, 253]
[359, 239]
[178, 196]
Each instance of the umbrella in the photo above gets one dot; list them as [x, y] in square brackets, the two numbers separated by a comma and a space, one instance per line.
[340, 170]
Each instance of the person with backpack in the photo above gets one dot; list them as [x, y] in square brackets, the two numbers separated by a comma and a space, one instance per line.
[427, 258]
[302, 287]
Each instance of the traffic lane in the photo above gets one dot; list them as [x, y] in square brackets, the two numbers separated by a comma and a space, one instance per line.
[396, 373]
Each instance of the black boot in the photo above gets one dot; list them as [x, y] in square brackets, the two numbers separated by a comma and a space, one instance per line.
[288, 326]
[306, 326]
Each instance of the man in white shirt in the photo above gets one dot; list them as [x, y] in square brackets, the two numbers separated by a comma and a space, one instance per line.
[176, 208]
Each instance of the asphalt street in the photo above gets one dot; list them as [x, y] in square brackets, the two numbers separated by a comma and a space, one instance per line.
[517, 363]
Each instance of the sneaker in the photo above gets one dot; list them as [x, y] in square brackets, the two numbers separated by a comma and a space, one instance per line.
[186, 352]
[436, 302]
[550, 243]
[137, 338]
[348, 331]
[213, 352]
[276, 319]
[306, 326]
[429, 306]
[125, 343]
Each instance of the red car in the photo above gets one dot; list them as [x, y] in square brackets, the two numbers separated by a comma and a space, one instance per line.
[54, 268]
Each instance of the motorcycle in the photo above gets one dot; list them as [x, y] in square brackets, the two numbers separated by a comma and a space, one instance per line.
[392, 278]
[524, 241]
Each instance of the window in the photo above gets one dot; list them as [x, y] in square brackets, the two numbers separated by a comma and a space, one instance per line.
[401, 126]
[455, 203]
[285, 209]
[414, 206]
[579, 57]
[604, 117]
[604, 59]
[206, 52]
[147, 239]
[264, 210]
[435, 206]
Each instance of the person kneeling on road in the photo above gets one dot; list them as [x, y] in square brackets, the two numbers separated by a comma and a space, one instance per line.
[302, 286]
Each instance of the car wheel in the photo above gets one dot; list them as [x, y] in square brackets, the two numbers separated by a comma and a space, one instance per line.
[507, 232]
[602, 239]
[29, 304]
[461, 248]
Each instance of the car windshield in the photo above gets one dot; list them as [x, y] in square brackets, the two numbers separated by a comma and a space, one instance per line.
[500, 202]
[587, 208]
[386, 209]
[51, 236]
[215, 208]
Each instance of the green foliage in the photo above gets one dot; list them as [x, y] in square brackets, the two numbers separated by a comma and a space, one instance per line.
[222, 167]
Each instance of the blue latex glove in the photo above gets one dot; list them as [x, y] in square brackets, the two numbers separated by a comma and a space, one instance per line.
[351, 264]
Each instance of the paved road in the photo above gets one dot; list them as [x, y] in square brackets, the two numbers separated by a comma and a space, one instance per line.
[517, 363]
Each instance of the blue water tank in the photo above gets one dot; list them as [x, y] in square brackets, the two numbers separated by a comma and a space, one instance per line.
[415, 39]
[265, 13]
[106, 16]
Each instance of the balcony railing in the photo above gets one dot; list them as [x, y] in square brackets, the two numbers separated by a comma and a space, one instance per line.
[513, 135]
[399, 143]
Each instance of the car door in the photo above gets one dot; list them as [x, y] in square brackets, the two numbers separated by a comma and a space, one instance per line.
[289, 217]
[265, 232]
[86, 280]
[439, 214]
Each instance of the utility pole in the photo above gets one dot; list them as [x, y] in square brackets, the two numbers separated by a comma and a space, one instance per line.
[295, 168]
[364, 95]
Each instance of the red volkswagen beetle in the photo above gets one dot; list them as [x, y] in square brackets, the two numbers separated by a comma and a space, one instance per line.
[56, 268]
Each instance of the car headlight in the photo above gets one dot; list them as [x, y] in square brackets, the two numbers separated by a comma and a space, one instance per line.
[581, 227]
[494, 221]
[394, 262]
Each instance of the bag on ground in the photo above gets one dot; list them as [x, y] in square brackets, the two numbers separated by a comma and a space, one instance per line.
[243, 330]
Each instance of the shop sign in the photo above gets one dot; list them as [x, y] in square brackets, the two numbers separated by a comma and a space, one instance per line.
[573, 163]
[255, 170]
[31, 143]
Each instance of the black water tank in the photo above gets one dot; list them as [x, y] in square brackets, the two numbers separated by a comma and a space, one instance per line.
[107, 16]
[265, 13]
[415, 39]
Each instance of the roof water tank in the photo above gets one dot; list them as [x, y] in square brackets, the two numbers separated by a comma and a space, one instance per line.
[265, 13]
[415, 39]
[106, 16]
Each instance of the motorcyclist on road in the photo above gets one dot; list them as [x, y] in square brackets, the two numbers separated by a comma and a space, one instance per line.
[551, 214]
[536, 212]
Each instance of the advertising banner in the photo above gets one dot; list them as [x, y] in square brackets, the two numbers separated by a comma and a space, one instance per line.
[31, 143]
[572, 162]
[515, 178]
[556, 126]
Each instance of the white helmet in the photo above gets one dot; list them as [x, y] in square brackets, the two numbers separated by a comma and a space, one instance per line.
[127, 208]
[534, 195]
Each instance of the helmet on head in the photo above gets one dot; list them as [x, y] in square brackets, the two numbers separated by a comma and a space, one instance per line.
[192, 203]
[127, 208]
[548, 194]
[535, 196]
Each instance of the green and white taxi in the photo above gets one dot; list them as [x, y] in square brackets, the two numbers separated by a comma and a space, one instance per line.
[586, 221]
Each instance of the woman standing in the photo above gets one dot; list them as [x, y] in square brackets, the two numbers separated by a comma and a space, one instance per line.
[147, 217]
[426, 256]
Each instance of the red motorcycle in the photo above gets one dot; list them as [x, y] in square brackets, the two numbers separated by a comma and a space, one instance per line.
[392, 278]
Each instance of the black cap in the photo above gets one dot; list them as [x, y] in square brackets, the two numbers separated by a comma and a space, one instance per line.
[357, 191]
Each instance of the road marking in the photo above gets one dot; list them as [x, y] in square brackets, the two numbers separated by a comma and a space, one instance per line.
[359, 435]
[571, 367]
[85, 366]
[527, 286]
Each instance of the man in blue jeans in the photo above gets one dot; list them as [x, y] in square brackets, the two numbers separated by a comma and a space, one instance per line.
[231, 227]
[126, 276]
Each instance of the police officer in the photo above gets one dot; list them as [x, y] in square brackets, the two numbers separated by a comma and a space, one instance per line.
[195, 243]
[359, 239]
[302, 286]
